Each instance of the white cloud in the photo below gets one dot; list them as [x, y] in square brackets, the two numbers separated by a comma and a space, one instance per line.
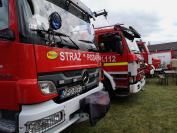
[155, 19]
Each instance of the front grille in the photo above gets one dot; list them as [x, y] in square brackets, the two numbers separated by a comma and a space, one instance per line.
[72, 73]
[78, 72]
[70, 79]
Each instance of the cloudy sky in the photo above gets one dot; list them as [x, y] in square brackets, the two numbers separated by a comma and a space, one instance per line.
[156, 20]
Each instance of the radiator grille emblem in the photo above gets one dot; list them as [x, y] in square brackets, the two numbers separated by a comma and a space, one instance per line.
[85, 77]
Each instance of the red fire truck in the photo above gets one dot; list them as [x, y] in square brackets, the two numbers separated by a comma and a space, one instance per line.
[47, 66]
[152, 63]
[121, 59]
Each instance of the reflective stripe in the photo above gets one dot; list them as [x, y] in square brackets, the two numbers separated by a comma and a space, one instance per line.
[116, 64]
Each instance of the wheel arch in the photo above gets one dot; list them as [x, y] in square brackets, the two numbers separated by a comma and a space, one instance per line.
[109, 78]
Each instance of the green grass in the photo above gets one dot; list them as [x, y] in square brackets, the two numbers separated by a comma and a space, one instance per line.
[151, 111]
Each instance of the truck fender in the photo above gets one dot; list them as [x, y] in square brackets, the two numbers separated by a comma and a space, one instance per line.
[110, 78]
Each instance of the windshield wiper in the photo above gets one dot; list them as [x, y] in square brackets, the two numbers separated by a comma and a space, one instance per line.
[58, 34]
[86, 41]
[7, 34]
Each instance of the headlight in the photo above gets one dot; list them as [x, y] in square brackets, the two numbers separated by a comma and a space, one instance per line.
[47, 87]
[44, 124]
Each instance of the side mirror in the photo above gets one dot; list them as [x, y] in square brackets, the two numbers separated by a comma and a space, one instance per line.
[55, 21]
[136, 34]
[7, 34]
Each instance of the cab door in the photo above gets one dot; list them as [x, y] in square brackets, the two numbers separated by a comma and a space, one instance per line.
[113, 53]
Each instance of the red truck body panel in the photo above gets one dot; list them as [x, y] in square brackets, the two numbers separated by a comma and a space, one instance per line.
[19, 70]
[114, 58]
[23, 62]
[66, 59]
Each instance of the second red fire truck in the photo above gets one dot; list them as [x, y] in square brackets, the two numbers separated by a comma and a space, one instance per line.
[121, 59]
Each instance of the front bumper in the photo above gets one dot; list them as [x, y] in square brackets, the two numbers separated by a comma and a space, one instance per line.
[135, 88]
[42, 110]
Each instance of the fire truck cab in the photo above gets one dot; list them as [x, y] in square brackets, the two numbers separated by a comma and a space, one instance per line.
[122, 62]
[47, 68]
[152, 63]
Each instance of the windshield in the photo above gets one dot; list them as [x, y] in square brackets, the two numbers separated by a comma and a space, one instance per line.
[133, 47]
[4, 24]
[74, 23]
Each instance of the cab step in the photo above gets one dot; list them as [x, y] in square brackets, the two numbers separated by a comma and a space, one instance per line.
[7, 126]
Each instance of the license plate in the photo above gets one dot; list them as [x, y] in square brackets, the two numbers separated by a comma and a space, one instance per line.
[70, 91]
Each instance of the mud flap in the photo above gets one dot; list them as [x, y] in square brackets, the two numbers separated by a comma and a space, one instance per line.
[96, 105]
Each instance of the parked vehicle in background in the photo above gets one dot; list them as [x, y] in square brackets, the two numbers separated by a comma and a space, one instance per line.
[47, 66]
[122, 62]
[152, 63]
[165, 57]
